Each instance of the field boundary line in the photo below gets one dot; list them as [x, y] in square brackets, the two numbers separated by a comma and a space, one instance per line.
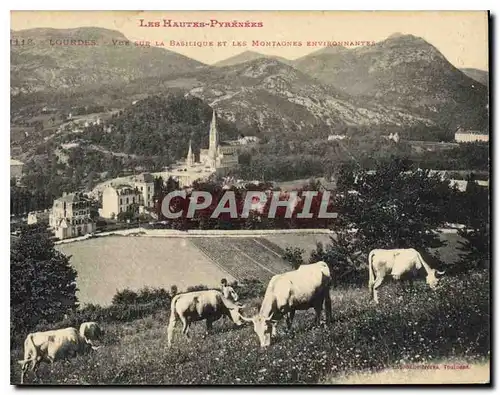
[253, 260]
[143, 232]
[220, 266]
[266, 247]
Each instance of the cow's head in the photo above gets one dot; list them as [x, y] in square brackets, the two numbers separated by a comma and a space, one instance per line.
[235, 314]
[433, 278]
[263, 327]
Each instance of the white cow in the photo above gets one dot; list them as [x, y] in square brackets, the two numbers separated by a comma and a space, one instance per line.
[91, 331]
[209, 305]
[397, 263]
[301, 289]
[51, 346]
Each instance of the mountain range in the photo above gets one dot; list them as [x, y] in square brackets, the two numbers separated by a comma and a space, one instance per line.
[48, 65]
[402, 81]
[478, 75]
[248, 56]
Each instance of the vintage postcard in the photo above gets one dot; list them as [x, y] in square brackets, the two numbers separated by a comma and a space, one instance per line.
[249, 198]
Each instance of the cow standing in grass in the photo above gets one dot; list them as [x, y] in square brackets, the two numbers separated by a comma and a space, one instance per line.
[301, 289]
[398, 263]
[209, 305]
[51, 346]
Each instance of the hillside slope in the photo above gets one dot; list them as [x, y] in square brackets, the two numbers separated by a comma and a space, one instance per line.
[481, 76]
[428, 328]
[51, 63]
[266, 95]
[248, 56]
[403, 70]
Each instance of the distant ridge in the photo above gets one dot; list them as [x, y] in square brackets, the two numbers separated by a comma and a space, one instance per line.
[101, 60]
[248, 56]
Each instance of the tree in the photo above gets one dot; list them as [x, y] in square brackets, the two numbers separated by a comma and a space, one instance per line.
[128, 215]
[43, 284]
[391, 207]
[293, 255]
[475, 214]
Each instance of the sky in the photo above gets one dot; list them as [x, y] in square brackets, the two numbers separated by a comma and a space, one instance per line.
[461, 36]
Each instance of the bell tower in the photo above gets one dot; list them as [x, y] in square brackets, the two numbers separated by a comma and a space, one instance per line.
[190, 156]
[213, 146]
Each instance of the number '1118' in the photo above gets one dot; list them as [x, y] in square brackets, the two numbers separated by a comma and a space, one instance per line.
[16, 41]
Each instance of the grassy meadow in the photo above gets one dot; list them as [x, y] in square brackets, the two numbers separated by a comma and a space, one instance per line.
[108, 264]
[420, 327]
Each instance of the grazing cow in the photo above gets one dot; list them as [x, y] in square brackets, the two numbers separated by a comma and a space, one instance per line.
[91, 331]
[301, 289]
[51, 346]
[209, 305]
[398, 263]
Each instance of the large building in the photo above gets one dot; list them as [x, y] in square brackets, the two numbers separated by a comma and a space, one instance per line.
[16, 169]
[145, 183]
[116, 200]
[470, 136]
[220, 157]
[70, 216]
[38, 217]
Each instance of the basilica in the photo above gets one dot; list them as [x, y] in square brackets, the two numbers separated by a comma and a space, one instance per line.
[220, 157]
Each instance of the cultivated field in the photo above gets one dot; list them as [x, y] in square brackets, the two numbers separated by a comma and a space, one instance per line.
[244, 257]
[113, 263]
[424, 327]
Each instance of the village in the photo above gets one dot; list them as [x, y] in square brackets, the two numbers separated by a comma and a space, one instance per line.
[118, 202]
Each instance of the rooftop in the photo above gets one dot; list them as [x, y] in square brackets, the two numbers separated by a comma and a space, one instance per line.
[72, 198]
[144, 177]
[14, 162]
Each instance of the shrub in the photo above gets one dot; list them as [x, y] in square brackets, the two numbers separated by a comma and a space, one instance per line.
[199, 287]
[293, 255]
[125, 296]
[43, 283]
[250, 288]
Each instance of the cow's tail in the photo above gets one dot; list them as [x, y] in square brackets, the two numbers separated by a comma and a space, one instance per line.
[371, 272]
[173, 318]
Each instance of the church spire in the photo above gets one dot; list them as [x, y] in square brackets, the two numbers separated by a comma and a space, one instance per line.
[190, 156]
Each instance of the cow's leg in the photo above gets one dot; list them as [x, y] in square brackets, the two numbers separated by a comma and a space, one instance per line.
[328, 307]
[185, 326]
[274, 331]
[289, 319]
[170, 328]
[209, 325]
[34, 368]
[376, 285]
[318, 309]
[24, 369]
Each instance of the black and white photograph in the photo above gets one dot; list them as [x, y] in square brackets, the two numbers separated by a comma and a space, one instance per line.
[250, 198]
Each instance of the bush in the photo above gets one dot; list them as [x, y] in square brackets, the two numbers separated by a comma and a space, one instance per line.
[250, 288]
[124, 297]
[293, 255]
[194, 288]
[143, 296]
[43, 283]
